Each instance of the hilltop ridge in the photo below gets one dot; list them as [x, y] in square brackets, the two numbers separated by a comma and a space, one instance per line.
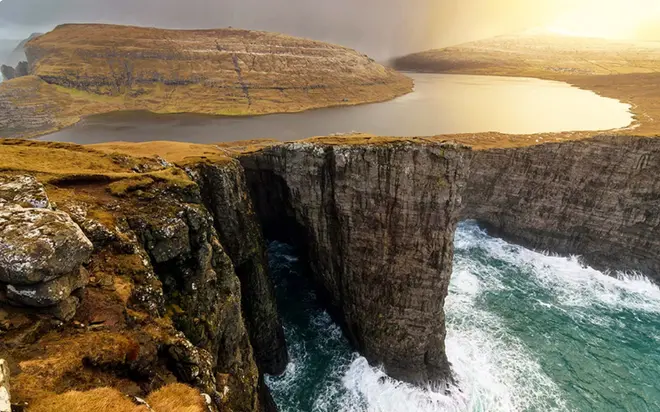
[87, 69]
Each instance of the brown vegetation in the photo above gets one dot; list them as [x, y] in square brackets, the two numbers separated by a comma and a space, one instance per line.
[88, 69]
[171, 398]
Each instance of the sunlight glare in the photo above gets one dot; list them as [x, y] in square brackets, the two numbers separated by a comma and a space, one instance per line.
[606, 18]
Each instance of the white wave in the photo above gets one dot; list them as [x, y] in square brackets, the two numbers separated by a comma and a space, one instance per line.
[571, 283]
[496, 371]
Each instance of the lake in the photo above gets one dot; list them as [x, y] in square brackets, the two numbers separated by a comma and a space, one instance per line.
[440, 104]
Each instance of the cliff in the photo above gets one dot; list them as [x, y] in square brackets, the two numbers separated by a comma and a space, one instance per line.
[162, 302]
[377, 222]
[597, 198]
[97, 68]
[151, 269]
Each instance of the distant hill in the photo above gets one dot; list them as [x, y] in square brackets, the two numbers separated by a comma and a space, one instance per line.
[81, 69]
[539, 55]
[381, 28]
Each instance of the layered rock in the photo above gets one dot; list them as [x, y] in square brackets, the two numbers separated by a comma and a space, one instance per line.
[377, 221]
[104, 68]
[598, 198]
[41, 251]
[225, 193]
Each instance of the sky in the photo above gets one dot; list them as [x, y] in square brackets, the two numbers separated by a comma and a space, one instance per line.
[380, 28]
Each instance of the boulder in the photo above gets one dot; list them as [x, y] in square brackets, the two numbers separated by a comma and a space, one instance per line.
[49, 293]
[23, 191]
[39, 245]
[22, 69]
[8, 72]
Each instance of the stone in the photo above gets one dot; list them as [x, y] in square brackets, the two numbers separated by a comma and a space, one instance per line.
[48, 293]
[98, 233]
[66, 309]
[377, 221]
[596, 198]
[8, 72]
[38, 245]
[5, 396]
[23, 191]
[224, 190]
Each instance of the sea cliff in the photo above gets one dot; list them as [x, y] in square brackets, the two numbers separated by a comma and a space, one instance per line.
[145, 263]
[598, 198]
[377, 222]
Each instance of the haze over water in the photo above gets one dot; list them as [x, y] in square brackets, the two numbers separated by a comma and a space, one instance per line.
[440, 104]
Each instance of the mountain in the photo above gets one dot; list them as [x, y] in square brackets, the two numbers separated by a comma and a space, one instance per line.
[82, 69]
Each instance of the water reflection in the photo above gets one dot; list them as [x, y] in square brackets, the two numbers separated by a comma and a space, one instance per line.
[440, 104]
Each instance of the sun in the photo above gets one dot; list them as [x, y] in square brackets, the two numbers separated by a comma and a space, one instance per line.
[606, 18]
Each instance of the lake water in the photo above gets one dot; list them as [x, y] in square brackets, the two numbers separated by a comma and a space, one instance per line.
[440, 104]
[526, 332]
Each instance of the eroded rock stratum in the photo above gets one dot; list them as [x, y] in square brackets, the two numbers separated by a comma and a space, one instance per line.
[377, 221]
[78, 70]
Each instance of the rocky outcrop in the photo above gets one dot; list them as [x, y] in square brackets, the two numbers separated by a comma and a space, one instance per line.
[41, 251]
[225, 194]
[9, 72]
[598, 198]
[377, 221]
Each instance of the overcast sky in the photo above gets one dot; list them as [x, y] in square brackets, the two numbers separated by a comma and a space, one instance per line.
[381, 28]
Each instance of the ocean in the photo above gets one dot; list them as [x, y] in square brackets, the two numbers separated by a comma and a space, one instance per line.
[526, 331]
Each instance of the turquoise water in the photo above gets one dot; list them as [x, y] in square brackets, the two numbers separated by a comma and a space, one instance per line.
[526, 332]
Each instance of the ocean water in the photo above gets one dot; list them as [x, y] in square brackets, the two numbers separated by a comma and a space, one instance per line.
[526, 332]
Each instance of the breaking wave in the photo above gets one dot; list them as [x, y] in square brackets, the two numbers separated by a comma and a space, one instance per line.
[526, 331]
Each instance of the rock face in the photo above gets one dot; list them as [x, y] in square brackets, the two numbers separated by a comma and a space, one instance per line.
[225, 193]
[378, 223]
[202, 296]
[599, 198]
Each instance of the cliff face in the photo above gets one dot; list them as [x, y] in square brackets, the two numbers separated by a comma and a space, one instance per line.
[226, 195]
[599, 198]
[106, 68]
[377, 222]
[162, 302]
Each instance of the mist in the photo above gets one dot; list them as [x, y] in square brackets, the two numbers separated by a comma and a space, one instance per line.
[380, 28]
